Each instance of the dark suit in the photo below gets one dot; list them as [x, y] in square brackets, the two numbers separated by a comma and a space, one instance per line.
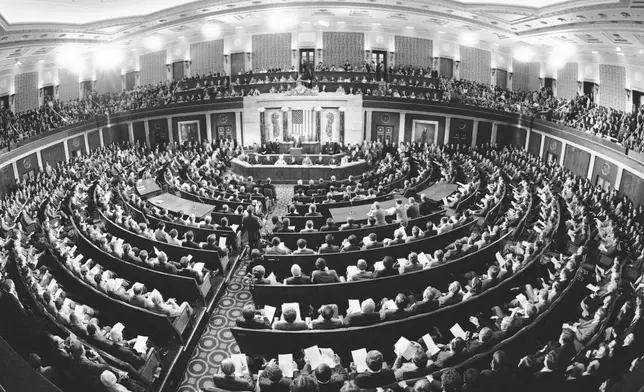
[329, 276]
[367, 379]
[329, 249]
[426, 306]
[374, 245]
[361, 319]
[294, 326]
[255, 323]
[327, 324]
[233, 383]
[338, 376]
[297, 280]
[362, 275]
[413, 211]
[383, 273]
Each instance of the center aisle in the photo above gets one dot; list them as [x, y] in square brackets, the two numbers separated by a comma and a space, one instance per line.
[217, 342]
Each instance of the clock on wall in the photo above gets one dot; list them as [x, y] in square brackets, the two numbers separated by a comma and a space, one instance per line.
[605, 169]
[385, 118]
[26, 163]
[223, 119]
[553, 145]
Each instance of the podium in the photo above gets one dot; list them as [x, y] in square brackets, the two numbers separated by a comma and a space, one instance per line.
[311, 147]
[296, 151]
[285, 147]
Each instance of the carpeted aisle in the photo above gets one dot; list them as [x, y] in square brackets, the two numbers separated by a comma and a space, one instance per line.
[217, 342]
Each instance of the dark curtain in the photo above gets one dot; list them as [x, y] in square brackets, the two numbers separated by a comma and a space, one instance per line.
[178, 70]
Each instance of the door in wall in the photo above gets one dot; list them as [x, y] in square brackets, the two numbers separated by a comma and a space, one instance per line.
[307, 59]
[48, 91]
[237, 63]
[548, 82]
[130, 80]
[379, 57]
[638, 99]
[178, 70]
[589, 90]
[4, 102]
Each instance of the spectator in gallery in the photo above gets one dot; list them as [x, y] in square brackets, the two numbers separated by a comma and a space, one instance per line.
[290, 322]
[313, 212]
[322, 274]
[328, 246]
[253, 319]
[302, 248]
[229, 381]
[297, 278]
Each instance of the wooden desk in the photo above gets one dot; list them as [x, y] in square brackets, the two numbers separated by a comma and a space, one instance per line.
[289, 174]
[359, 212]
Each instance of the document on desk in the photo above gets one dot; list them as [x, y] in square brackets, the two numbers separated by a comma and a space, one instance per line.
[285, 362]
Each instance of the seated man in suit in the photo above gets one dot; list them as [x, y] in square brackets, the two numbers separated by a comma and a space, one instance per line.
[362, 273]
[328, 246]
[229, 381]
[451, 357]
[313, 211]
[415, 368]
[285, 227]
[350, 225]
[373, 242]
[308, 227]
[586, 329]
[350, 244]
[252, 319]
[485, 341]
[323, 274]
[290, 322]
[401, 310]
[413, 209]
[454, 295]
[302, 249]
[375, 376]
[160, 234]
[326, 378]
[411, 265]
[330, 225]
[189, 241]
[389, 269]
[212, 245]
[278, 248]
[366, 316]
[326, 319]
[271, 379]
[297, 278]
[430, 300]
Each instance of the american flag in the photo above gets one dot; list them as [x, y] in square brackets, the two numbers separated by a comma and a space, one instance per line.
[304, 124]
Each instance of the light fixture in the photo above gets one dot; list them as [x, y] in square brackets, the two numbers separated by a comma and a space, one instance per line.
[18, 62]
[594, 52]
[440, 32]
[318, 109]
[153, 42]
[469, 38]
[211, 30]
[376, 24]
[620, 54]
[239, 27]
[41, 61]
[108, 56]
[618, 49]
[410, 27]
[180, 37]
[323, 23]
[284, 109]
[261, 110]
[306, 22]
[496, 44]
[523, 54]
[341, 22]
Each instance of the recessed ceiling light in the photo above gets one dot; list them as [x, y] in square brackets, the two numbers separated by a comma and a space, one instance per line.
[180, 37]
[376, 24]
[41, 61]
[238, 27]
[323, 23]
[620, 54]
[410, 27]
[306, 22]
[618, 49]
[441, 32]
[133, 49]
[495, 44]
[595, 52]
[341, 22]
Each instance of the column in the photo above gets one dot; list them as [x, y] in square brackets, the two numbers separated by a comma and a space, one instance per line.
[618, 180]
[289, 125]
[563, 152]
[495, 129]
[591, 166]
[401, 129]
[448, 124]
[475, 132]
[238, 127]
[130, 132]
[170, 137]
[541, 147]
[209, 127]
[40, 165]
[15, 170]
[368, 125]
[100, 136]
[146, 126]
[86, 142]
[527, 139]
[66, 145]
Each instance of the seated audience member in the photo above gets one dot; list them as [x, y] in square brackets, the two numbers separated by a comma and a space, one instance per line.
[350, 225]
[252, 319]
[327, 319]
[375, 376]
[189, 241]
[366, 316]
[453, 356]
[290, 322]
[329, 226]
[278, 248]
[402, 309]
[372, 242]
[322, 274]
[454, 295]
[271, 379]
[160, 234]
[258, 275]
[328, 379]
[388, 269]
[285, 227]
[415, 368]
[350, 244]
[411, 265]
[229, 381]
[430, 300]
[308, 227]
[362, 273]
[302, 249]
[297, 278]
[328, 246]
[312, 211]
[212, 244]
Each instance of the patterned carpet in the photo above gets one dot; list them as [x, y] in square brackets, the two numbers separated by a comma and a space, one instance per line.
[217, 342]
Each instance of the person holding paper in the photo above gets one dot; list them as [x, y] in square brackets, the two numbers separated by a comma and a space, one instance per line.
[277, 248]
[253, 319]
[416, 367]
[350, 244]
[290, 322]
[430, 300]
[229, 380]
[328, 246]
[271, 379]
[170, 307]
[327, 379]
[454, 295]
[402, 309]
[327, 319]
[373, 242]
[123, 349]
[297, 278]
[212, 245]
[350, 225]
[376, 375]
[411, 264]
[366, 316]
[388, 264]
[452, 356]
[361, 273]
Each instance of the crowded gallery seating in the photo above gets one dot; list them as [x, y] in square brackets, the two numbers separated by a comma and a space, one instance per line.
[287, 200]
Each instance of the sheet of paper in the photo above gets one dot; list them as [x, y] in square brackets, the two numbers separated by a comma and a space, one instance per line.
[402, 261]
[404, 348]
[592, 288]
[189, 257]
[354, 306]
[432, 348]
[457, 331]
[51, 285]
[360, 359]
[118, 327]
[79, 311]
[291, 228]
[141, 344]
[57, 294]
[314, 356]
[328, 357]
[234, 227]
[352, 270]
[78, 258]
[285, 362]
[499, 258]
[222, 242]
[390, 304]
[96, 269]
[156, 251]
[378, 266]
[269, 311]
[198, 267]
[293, 305]
[422, 258]
[241, 365]
[119, 282]
[523, 301]
[66, 302]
